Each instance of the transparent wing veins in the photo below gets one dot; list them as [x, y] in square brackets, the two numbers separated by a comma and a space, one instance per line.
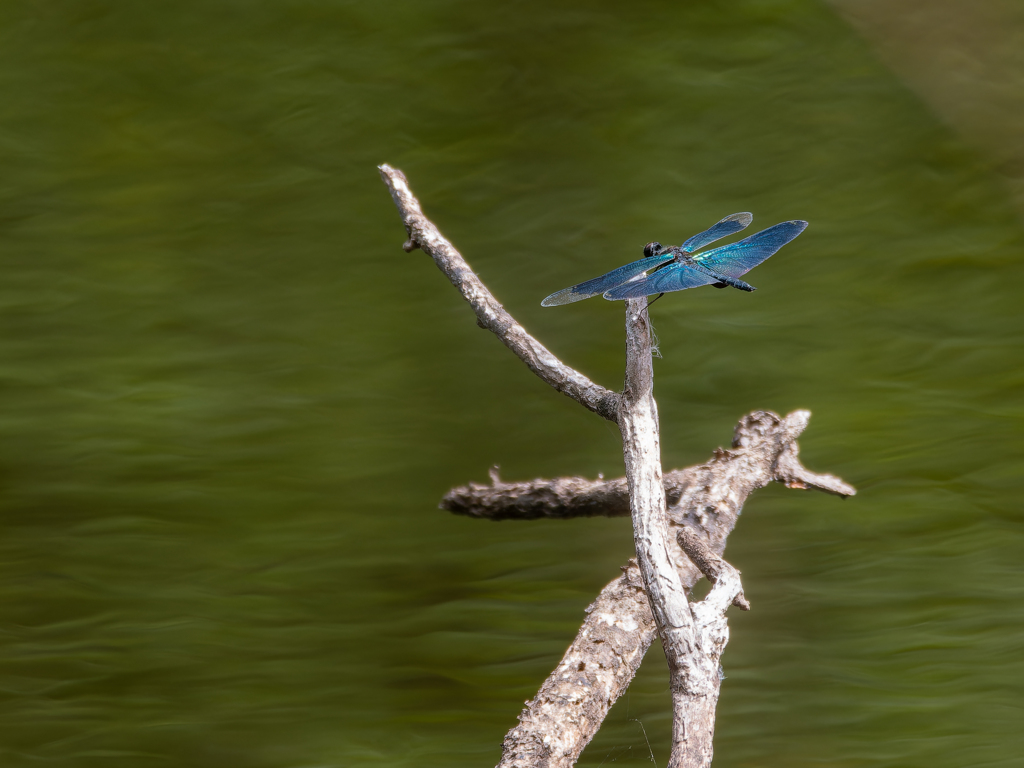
[739, 258]
[734, 222]
[675, 277]
[605, 282]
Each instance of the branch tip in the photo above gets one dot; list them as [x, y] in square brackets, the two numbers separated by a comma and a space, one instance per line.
[422, 233]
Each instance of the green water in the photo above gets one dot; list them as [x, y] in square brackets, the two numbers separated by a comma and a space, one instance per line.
[231, 402]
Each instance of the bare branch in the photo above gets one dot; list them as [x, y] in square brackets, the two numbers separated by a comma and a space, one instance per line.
[557, 499]
[567, 497]
[565, 714]
[652, 593]
[561, 720]
[489, 312]
[638, 421]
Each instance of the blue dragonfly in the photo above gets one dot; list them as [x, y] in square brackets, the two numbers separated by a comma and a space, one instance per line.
[666, 268]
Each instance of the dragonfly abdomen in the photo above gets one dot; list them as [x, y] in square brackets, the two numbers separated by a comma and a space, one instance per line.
[723, 280]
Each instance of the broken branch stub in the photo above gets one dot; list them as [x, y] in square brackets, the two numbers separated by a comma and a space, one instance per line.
[709, 564]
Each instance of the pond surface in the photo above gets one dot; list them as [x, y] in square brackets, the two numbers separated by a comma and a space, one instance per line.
[231, 402]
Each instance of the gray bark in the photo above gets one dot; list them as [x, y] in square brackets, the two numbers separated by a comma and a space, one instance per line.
[490, 314]
[566, 497]
[694, 690]
[558, 723]
[701, 504]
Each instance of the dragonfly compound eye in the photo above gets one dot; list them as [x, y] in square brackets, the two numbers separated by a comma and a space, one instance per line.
[651, 249]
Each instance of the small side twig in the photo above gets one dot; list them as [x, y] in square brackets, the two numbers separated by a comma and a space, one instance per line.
[696, 702]
[709, 563]
[793, 474]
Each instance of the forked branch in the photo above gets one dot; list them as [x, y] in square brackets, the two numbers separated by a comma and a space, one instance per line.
[701, 502]
[618, 629]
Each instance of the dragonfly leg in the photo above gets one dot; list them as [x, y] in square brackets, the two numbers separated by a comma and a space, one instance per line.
[648, 307]
[655, 299]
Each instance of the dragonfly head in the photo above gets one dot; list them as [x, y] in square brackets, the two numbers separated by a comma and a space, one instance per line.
[652, 249]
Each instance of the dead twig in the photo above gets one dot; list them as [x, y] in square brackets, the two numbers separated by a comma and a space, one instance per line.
[490, 313]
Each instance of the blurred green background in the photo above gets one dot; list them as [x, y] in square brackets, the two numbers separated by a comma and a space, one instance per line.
[231, 402]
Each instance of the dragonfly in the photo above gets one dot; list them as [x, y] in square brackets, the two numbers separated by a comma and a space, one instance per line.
[667, 268]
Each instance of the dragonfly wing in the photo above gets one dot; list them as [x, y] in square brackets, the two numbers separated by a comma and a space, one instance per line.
[603, 283]
[727, 226]
[675, 277]
[739, 258]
